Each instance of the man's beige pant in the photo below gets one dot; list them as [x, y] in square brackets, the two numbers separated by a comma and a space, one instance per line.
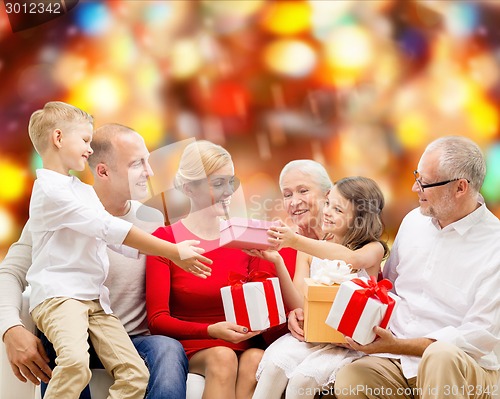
[445, 371]
[67, 323]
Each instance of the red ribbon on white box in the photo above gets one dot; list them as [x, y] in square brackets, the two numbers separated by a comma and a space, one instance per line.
[253, 301]
[361, 305]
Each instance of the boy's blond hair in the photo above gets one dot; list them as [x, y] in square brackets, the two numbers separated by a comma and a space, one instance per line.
[53, 115]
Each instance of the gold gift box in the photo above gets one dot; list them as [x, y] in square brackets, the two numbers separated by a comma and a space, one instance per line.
[318, 299]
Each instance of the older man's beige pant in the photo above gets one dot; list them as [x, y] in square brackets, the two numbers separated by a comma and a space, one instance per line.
[444, 372]
[67, 323]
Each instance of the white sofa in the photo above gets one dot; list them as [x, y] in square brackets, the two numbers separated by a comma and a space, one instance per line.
[12, 388]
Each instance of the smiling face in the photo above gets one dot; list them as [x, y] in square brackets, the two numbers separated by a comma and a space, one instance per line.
[302, 198]
[437, 202]
[75, 139]
[214, 192]
[338, 215]
[129, 167]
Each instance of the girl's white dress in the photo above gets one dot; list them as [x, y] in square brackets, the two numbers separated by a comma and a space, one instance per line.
[320, 361]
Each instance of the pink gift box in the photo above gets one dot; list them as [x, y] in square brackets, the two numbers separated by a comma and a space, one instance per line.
[245, 233]
[257, 305]
[359, 306]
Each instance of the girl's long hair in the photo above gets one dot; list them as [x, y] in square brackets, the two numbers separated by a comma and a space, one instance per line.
[368, 201]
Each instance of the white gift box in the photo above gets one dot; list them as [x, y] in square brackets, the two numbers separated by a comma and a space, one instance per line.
[256, 305]
[356, 310]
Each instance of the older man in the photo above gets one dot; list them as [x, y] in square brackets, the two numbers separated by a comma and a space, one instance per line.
[444, 337]
[120, 168]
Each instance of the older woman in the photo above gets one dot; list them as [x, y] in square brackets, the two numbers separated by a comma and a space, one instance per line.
[304, 184]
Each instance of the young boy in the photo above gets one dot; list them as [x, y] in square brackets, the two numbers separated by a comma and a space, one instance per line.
[70, 230]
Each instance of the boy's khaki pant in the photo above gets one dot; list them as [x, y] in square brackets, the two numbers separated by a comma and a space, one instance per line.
[445, 371]
[67, 323]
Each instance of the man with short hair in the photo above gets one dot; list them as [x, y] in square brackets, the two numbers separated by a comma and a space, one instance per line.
[120, 168]
[444, 337]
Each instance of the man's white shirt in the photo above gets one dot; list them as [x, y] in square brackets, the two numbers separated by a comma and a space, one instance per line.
[448, 281]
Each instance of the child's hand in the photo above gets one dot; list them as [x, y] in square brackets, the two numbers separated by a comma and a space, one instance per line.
[282, 236]
[190, 258]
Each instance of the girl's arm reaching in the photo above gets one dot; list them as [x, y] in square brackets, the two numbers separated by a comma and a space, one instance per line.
[367, 257]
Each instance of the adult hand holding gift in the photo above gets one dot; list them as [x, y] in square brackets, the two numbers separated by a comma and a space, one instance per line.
[360, 305]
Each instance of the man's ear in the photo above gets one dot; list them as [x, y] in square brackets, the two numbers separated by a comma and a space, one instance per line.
[462, 187]
[56, 138]
[101, 170]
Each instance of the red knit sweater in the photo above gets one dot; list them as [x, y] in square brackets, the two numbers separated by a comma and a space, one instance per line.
[181, 305]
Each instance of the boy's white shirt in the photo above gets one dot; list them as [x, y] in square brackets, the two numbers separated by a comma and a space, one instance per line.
[70, 230]
[126, 278]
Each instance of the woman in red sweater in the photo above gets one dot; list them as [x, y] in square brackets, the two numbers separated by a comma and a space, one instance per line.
[190, 309]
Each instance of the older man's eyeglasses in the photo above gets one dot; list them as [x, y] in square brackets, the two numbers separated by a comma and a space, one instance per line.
[423, 186]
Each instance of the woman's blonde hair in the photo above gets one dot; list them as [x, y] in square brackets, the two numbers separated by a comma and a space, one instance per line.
[368, 201]
[199, 160]
[53, 115]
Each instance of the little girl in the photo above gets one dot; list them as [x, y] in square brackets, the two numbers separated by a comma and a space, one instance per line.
[353, 228]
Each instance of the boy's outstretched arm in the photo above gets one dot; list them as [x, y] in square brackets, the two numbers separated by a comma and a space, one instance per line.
[184, 254]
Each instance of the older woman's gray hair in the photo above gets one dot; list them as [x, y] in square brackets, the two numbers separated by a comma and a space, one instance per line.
[311, 168]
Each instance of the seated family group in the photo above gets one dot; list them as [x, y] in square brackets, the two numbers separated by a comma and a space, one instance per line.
[103, 268]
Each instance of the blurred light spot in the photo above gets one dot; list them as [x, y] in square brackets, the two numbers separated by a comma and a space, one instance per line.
[292, 58]
[450, 92]
[484, 70]
[35, 82]
[186, 59]
[461, 18]
[69, 69]
[150, 126]
[328, 14]
[49, 54]
[483, 117]
[93, 18]
[228, 98]
[491, 184]
[240, 8]
[157, 12]
[287, 17]
[13, 181]
[103, 94]
[6, 226]
[412, 131]
[349, 48]
[147, 76]
[122, 50]
[348, 55]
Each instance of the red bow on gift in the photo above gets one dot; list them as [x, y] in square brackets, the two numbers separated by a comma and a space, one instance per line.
[354, 309]
[254, 276]
[373, 288]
